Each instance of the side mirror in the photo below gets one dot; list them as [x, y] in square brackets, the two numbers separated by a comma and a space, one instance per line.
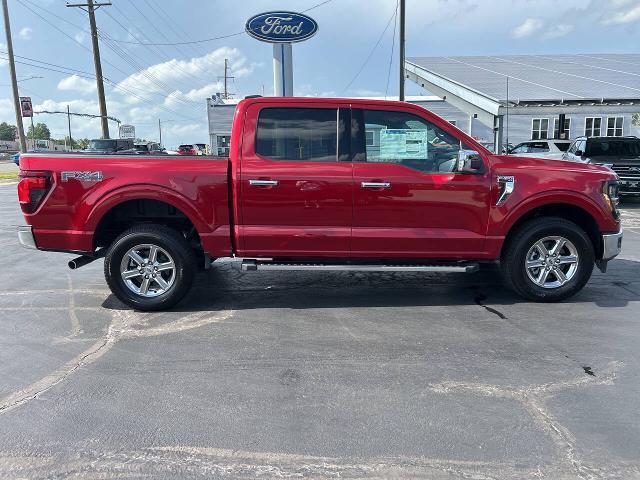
[579, 153]
[469, 161]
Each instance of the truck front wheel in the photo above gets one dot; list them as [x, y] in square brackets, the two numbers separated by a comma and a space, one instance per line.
[150, 267]
[548, 259]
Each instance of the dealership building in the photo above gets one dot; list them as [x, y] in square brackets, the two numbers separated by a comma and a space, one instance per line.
[510, 99]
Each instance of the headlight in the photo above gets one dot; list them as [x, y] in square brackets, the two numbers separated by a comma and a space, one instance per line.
[611, 196]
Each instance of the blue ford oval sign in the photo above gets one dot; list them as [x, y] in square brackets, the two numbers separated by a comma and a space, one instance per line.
[281, 27]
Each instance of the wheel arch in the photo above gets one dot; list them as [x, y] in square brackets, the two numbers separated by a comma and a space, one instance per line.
[122, 205]
[580, 213]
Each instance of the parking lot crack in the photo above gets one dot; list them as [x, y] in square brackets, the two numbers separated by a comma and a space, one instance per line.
[533, 400]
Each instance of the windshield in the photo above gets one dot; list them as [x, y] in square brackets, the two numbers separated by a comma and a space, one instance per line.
[103, 144]
[562, 146]
[141, 147]
[616, 148]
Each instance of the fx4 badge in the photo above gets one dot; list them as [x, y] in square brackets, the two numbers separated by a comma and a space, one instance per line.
[82, 176]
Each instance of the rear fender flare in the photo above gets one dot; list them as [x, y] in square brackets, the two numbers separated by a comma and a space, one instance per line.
[145, 192]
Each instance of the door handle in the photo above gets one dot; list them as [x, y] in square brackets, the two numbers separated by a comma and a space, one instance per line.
[375, 185]
[263, 183]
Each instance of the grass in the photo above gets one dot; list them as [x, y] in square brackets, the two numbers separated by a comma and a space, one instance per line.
[8, 175]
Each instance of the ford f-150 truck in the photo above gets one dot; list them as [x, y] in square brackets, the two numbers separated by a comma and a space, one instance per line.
[325, 184]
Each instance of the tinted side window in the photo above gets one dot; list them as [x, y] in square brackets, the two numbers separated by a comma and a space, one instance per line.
[297, 134]
[409, 140]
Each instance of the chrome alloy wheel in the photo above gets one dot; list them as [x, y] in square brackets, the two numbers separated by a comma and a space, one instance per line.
[148, 270]
[551, 262]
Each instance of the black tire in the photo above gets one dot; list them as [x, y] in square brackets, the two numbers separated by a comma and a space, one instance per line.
[169, 240]
[512, 263]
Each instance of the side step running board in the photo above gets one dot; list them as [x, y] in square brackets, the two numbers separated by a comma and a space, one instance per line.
[459, 267]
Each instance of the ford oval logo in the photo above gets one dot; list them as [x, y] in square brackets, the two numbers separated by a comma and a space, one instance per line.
[281, 27]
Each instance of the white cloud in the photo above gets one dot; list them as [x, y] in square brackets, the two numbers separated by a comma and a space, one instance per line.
[75, 83]
[25, 33]
[195, 94]
[527, 28]
[155, 78]
[624, 16]
[558, 31]
[80, 36]
[6, 107]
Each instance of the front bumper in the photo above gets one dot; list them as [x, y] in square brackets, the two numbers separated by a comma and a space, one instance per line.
[25, 236]
[612, 244]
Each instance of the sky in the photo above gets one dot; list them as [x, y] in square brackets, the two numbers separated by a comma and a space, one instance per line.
[353, 53]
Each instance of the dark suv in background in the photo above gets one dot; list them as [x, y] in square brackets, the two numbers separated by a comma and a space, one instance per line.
[621, 154]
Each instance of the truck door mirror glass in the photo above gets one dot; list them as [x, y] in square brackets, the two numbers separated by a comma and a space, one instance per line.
[469, 161]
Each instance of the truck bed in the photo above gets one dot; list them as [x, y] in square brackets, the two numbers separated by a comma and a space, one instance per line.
[85, 187]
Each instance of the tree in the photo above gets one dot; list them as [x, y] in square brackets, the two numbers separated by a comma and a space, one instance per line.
[83, 143]
[40, 132]
[635, 119]
[7, 132]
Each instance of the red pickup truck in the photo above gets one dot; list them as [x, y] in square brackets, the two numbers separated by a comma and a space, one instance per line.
[325, 184]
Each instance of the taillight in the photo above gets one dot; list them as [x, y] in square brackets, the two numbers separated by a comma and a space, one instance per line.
[32, 189]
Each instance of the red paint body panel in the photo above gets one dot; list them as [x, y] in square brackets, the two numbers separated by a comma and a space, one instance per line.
[318, 209]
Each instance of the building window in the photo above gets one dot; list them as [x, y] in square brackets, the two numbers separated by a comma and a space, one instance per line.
[614, 126]
[540, 129]
[566, 130]
[370, 137]
[592, 127]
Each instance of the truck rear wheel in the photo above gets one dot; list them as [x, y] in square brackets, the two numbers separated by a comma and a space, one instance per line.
[150, 267]
[548, 259]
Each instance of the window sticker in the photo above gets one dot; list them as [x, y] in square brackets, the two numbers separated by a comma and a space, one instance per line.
[403, 144]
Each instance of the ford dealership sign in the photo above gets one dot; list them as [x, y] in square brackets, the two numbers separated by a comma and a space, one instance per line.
[281, 27]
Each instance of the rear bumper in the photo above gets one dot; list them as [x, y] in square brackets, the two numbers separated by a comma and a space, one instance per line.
[612, 244]
[25, 236]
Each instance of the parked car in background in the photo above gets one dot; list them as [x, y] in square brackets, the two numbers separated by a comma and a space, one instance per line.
[621, 154]
[148, 148]
[202, 148]
[16, 158]
[187, 149]
[109, 145]
[551, 148]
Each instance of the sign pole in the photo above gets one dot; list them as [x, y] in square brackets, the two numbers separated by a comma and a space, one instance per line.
[283, 69]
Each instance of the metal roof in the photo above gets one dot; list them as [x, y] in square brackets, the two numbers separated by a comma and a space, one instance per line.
[540, 78]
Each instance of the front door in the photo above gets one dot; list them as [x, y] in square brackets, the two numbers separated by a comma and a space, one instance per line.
[409, 199]
[296, 185]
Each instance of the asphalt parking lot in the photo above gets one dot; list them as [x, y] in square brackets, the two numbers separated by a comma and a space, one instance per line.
[294, 375]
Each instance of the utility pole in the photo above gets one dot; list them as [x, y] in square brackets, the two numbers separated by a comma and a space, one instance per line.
[69, 122]
[160, 132]
[226, 77]
[14, 81]
[90, 9]
[402, 22]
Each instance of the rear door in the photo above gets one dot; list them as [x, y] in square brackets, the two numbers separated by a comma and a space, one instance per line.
[296, 181]
[410, 201]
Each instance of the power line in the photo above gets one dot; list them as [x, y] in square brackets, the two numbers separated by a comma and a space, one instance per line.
[371, 52]
[120, 87]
